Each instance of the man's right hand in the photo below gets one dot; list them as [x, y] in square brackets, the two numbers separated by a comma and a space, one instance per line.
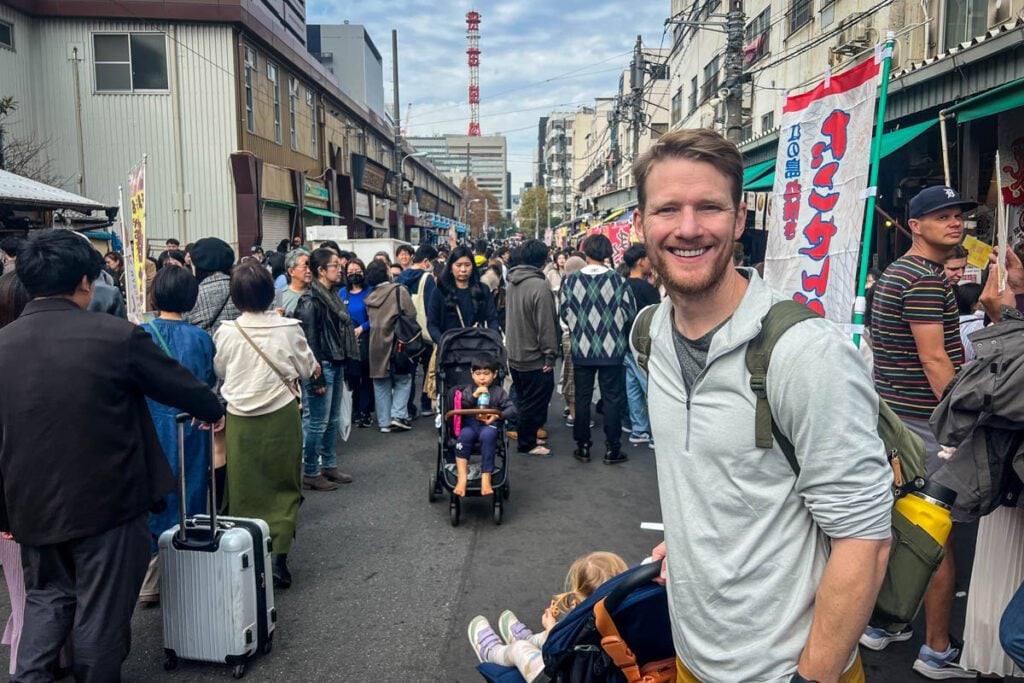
[1014, 269]
[658, 555]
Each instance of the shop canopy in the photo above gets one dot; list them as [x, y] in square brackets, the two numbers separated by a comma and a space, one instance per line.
[19, 191]
[278, 202]
[995, 101]
[756, 171]
[320, 212]
[891, 142]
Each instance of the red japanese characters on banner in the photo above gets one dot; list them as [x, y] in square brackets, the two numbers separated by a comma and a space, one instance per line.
[820, 176]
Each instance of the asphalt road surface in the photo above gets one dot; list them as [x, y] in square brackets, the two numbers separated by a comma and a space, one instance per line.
[385, 586]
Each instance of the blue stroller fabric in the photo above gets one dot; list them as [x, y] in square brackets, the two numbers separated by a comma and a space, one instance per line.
[573, 651]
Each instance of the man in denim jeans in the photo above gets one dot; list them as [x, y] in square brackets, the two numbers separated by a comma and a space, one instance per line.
[646, 295]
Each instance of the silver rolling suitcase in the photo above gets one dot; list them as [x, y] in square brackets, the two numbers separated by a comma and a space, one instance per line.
[216, 590]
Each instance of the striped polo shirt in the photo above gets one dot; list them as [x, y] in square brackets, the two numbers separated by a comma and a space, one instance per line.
[912, 290]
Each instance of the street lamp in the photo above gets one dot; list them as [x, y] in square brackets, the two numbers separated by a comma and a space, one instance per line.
[487, 212]
[399, 209]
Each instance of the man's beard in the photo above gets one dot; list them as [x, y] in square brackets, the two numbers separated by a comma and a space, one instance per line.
[704, 284]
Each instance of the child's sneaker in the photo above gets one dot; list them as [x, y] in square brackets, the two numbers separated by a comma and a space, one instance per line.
[482, 638]
[511, 629]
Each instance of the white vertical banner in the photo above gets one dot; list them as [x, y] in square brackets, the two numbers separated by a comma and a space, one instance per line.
[817, 214]
[1011, 155]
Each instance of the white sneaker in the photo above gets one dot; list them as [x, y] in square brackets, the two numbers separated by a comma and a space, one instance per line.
[940, 666]
[878, 639]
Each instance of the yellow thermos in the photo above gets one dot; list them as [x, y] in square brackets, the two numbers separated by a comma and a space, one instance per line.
[929, 508]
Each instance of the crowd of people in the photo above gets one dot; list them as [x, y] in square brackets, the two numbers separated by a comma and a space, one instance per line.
[279, 354]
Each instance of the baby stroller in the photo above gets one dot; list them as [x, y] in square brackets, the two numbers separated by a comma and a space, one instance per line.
[573, 652]
[455, 353]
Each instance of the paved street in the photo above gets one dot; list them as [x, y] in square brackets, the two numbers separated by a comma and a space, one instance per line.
[384, 586]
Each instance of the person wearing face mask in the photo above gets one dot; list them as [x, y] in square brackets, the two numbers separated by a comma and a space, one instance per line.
[358, 372]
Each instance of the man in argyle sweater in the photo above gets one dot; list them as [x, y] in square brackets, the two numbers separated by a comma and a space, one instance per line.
[598, 308]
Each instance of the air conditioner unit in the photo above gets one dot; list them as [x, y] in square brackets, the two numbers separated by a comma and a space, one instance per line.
[852, 41]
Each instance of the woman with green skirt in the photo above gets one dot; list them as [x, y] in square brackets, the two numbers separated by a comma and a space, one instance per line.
[261, 356]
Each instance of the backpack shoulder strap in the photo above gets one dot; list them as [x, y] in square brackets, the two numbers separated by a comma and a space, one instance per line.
[781, 316]
[640, 336]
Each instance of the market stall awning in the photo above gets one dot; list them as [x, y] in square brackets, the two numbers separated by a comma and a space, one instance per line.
[372, 223]
[16, 190]
[320, 212]
[278, 202]
[755, 171]
[1003, 98]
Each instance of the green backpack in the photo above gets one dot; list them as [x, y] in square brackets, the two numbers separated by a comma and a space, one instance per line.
[915, 555]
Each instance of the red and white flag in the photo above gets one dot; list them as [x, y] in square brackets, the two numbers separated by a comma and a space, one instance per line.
[821, 174]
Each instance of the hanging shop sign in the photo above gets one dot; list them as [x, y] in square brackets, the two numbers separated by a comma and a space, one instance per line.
[445, 209]
[821, 174]
[369, 176]
[362, 204]
[427, 201]
[314, 190]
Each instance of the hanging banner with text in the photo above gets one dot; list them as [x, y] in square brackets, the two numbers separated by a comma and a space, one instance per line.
[1011, 154]
[135, 252]
[818, 201]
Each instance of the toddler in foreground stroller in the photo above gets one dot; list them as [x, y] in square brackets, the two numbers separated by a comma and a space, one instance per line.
[456, 352]
[620, 633]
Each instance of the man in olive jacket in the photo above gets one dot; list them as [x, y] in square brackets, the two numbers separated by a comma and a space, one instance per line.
[533, 338]
[80, 462]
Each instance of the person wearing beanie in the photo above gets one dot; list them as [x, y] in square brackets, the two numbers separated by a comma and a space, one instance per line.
[212, 258]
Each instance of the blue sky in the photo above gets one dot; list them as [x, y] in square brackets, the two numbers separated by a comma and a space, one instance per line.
[583, 44]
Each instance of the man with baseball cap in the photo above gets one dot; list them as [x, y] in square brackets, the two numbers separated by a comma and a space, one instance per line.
[915, 333]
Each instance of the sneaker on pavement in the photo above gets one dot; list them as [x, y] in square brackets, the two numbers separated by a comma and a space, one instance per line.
[639, 437]
[401, 423]
[650, 444]
[482, 638]
[569, 422]
[511, 629]
[336, 475]
[318, 483]
[878, 639]
[940, 666]
[385, 430]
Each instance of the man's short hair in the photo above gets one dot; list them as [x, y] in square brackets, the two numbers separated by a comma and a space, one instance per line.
[959, 252]
[252, 290]
[11, 245]
[424, 252]
[597, 248]
[695, 144]
[175, 290]
[377, 273]
[53, 263]
[407, 248]
[633, 255]
[533, 253]
[172, 242]
[291, 259]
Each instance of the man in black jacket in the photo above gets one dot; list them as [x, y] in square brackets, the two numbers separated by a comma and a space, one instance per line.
[80, 462]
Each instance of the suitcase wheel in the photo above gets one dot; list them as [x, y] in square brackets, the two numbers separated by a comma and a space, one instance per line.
[238, 671]
[268, 646]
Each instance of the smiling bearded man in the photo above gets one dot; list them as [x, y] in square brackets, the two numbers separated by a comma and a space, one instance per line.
[770, 576]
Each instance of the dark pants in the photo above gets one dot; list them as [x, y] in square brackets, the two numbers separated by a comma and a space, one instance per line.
[358, 377]
[423, 362]
[533, 396]
[87, 588]
[473, 431]
[613, 388]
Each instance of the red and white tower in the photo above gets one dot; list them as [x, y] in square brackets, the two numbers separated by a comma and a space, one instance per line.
[473, 36]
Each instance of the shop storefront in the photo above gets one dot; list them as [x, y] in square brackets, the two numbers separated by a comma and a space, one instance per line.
[277, 206]
[371, 187]
[316, 204]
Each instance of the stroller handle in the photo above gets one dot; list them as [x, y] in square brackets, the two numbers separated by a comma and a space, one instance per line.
[472, 411]
[644, 575]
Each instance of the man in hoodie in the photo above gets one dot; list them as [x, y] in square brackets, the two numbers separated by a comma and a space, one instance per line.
[418, 277]
[532, 340]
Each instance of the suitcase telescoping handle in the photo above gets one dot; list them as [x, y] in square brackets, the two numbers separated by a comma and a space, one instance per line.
[182, 418]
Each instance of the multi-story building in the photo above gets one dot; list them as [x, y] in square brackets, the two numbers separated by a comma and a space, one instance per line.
[558, 163]
[484, 158]
[350, 55]
[247, 136]
[946, 51]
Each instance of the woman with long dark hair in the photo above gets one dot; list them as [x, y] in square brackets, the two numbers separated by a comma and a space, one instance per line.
[462, 300]
[357, 374]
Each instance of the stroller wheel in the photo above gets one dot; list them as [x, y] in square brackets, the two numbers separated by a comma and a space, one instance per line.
[506, 490]
[432, 495]
[455, 510]
[498, 510]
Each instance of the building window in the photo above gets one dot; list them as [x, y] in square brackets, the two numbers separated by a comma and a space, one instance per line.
[677, 106]
[250, 68]
[799, 14]
[130, 62]
[6, 35]
[758, 32]
[311, 103]
[965, 19]
[692, 105]
[275, 86]
[768, 122]
[710, 86]
[293, 96]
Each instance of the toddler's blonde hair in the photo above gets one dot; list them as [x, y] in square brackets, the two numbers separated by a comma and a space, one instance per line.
[585, 575]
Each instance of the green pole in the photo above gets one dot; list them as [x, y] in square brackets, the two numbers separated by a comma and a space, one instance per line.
[860, 306]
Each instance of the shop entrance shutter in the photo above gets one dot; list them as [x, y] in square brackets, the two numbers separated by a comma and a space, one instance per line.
[276, 226]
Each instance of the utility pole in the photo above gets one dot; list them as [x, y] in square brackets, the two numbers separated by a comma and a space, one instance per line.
[636, 85]
[399, 181]
[734, 29]
[536, 221]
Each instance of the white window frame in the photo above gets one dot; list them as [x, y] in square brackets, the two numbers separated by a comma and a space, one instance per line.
[133, 89]
[251, 66]
[272, 76]
[10, 26]
[293, 96]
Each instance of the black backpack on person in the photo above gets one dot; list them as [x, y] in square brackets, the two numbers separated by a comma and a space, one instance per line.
[408, 344]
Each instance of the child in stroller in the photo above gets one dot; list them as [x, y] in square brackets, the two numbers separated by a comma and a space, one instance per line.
[522, 648]
[484, 429]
